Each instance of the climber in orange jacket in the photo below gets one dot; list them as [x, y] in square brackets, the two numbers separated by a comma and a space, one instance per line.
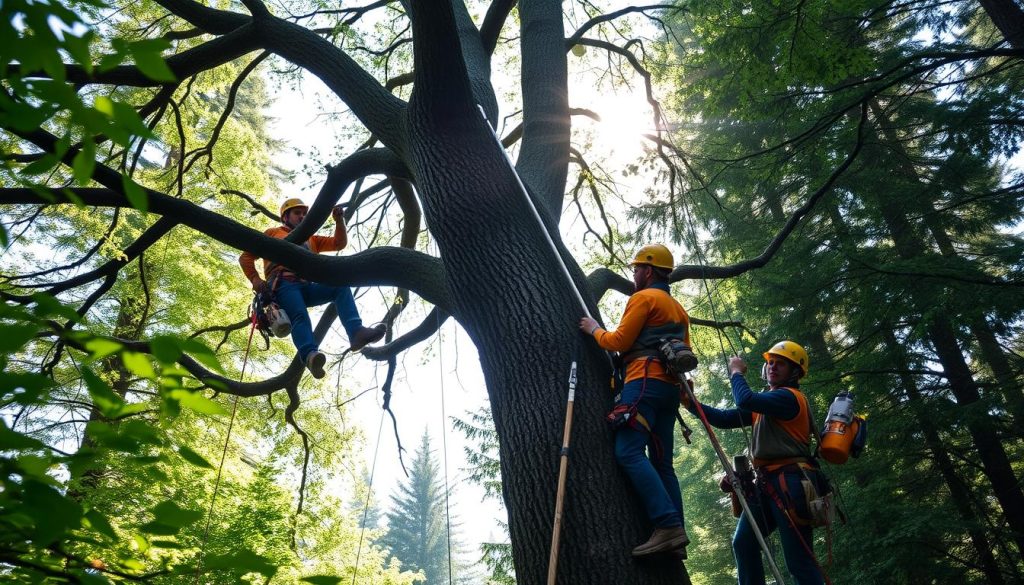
[295, 295]
[652, 393]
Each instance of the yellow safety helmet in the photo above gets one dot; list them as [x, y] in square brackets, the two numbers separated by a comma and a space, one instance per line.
[792, 352]
[291, 204]
[656, 255]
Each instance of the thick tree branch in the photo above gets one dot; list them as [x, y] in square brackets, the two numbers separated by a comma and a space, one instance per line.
[603, 280]
[362, 163]
[375, 106]
[477, 59]
[576, 36]
[386, 266]
[423, 331]
[207, 56]
[494, 21]
[442, 82]
[211, 20]
[543, 162]
[696, 271]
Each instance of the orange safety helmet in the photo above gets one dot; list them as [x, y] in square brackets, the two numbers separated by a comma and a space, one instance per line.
[656, 255]
[291, 204]
[792, 352]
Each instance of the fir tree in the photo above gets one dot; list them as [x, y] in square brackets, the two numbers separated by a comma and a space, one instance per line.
[417, 530]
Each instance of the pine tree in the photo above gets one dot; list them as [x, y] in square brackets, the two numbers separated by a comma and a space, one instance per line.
[417, 530]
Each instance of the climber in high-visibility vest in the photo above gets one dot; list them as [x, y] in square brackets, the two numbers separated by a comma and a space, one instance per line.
[295, 295]
[644, 415]
[782, 460]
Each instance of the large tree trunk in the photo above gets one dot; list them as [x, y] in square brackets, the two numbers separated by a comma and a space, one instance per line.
[1008, 18]
[958, 491]
[518, 308]
[511, 296]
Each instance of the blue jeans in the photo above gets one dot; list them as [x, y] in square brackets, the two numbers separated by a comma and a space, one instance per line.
[295, 297]
[799, 561]
[652, 473]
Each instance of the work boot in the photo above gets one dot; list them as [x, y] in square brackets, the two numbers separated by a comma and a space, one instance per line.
[367, 335]
[315, 364]
[663, 540]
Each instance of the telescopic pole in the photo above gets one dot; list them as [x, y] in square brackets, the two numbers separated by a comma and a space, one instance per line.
[734, 480]
[563, 466]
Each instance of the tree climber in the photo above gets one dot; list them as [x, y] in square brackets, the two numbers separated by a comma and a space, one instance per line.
[295, 295]
[650, 396]
[782, 460]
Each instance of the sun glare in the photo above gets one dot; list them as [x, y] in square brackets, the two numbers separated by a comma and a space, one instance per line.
[625, 118]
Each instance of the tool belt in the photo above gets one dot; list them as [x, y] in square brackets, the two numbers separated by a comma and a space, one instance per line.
[676, 355]
[819, 505]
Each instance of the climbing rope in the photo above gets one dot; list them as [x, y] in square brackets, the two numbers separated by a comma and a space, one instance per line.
[444, 448]
[224, 452]
[366, 506]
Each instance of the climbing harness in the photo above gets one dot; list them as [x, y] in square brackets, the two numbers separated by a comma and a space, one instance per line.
[734, 480]
[268, 316]
[767, 484]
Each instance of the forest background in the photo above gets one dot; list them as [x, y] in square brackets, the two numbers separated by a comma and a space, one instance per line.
[835, 174]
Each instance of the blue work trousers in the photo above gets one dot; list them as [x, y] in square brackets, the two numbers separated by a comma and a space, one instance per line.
[295, 298]
[749, 564]
[646, 457]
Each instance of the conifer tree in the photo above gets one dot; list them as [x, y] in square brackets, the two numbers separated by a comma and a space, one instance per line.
[417, 525]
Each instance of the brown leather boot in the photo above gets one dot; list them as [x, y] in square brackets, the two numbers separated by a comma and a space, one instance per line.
[367, 335]
[663, 540]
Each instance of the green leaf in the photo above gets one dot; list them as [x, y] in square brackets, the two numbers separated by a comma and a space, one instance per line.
[202, 353]
[3, 236]
[14, 337]
[41, 165]
[243, 560]
[23, 388]
[148, 60]
[78, 48]
[138, 364]
[52, 512]
[103, 396]
[47, 306]
[165, 349]
[169, 518]
[197, 402]
[84, 162]
[135, 194]
[193, 457]
[100, 347]
[99, 523]
[34, 465]
[126, 117]
[322, 580]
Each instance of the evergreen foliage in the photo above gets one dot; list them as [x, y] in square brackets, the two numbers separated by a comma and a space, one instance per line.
[419, 524]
